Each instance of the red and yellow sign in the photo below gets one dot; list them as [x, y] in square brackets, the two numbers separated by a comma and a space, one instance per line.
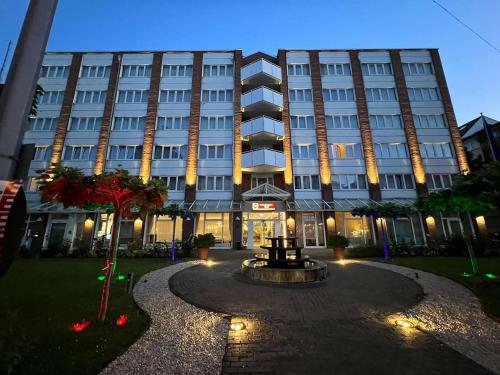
[263, 206]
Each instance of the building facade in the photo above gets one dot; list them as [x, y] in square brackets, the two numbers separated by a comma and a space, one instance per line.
[481, 137]
[254, 146]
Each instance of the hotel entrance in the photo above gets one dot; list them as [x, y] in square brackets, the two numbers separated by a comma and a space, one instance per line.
[259, 226]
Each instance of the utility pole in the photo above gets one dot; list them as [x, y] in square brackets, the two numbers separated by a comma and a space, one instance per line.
[17, 94]
[5, 60]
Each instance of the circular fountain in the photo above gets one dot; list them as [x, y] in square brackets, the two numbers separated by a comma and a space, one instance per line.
[283, 263]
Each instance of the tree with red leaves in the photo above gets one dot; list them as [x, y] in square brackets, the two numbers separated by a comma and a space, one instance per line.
[124, 193]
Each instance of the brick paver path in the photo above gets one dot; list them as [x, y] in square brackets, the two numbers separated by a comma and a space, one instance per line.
[338, 326]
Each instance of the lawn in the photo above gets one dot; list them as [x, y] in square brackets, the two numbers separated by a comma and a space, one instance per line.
[487, 290]
[41, 298]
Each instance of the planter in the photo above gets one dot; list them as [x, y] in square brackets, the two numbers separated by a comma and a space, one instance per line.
[339, 252]
[203, 253]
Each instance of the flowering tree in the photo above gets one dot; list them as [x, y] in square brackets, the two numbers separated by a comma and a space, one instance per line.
[383, 211]
[117, 190]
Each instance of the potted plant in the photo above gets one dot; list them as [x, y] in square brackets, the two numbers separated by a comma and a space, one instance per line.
[203, 242]
[338, 243]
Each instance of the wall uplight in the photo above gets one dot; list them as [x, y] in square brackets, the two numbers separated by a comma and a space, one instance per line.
[480, 221]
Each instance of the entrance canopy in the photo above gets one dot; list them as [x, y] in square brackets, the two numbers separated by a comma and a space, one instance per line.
[265, 192]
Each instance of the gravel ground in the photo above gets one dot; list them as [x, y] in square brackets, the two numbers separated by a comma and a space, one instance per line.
[182, 339]
[453, 314]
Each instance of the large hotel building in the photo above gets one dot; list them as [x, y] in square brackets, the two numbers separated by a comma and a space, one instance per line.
[254, 146]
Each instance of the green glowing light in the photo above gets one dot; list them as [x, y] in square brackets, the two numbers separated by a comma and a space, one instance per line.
[491, 276]
[101, 278]
[121, 277]
[465, 274]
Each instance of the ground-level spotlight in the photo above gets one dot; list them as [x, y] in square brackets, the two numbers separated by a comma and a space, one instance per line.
[237, 326]
[404, 323]
[491, 276]
[101, 278]
[466, 274]
[79, 327]
[122, 320]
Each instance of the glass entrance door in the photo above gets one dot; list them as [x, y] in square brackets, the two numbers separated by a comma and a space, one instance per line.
[262, 229]
[313, 229]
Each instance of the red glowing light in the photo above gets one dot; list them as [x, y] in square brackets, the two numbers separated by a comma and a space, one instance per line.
[122, 320]
[79, 327]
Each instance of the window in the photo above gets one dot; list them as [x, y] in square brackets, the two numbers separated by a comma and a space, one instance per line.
[85, 123]
[43, 124]
[54, 71]
[381, 94]
[216, 152]
[79, 152]
[217, 223]
[396, 181]
[41, 153]
[302, 122]
[417, 69]
[216, 123]
[133, 96]
[349, 181]
[261, 180]
[129, 123]
[390, 150]
[299, 70]
[335, 69]
[173, 183]
[304, 152]
[307, 182]
[341, 122]
[225, 70]
[170, 152]
[376, 69]
[300, 95]
[421, 94]
[436, 150]
[177, 71]
[385, 121]
[95, 71]
[90, 97]
[212, 183]
[338, 95]
[472, 145]
[52, 97]
[32, 185]
[438, 181]
[213, 96]
[172, 123]
[346, 151]
[132, 71]
[175, 96]
[125, 152]
[429, 121]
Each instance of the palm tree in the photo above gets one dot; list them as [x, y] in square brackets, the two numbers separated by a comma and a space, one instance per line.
[116, 191]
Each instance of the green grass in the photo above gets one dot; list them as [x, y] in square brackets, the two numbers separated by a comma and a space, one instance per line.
[41, 298]
[487, 290]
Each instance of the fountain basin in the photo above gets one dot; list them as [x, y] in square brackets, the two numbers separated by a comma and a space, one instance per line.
[314, 270]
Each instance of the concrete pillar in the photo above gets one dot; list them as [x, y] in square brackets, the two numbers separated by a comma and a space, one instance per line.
[19, 89]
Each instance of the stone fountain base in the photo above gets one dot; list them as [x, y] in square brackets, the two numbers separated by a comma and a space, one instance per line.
[314, 270]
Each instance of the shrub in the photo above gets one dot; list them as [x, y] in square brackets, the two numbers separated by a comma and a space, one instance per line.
[204, 240]
[338, 241]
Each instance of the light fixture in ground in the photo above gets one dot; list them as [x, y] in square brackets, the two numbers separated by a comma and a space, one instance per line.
[491, 276]
[404, 323]
[237, 326]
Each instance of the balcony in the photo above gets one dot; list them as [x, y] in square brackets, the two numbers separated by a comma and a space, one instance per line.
[263, 160]
[262, 129]
[262, 101]
[260, 73]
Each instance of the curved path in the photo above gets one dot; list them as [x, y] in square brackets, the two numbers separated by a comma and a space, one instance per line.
[182, 339]
[336, 326]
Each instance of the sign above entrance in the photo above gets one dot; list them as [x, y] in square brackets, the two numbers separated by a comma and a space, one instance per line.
[263, 206]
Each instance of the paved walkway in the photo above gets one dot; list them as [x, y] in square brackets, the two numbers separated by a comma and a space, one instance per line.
[337, 326]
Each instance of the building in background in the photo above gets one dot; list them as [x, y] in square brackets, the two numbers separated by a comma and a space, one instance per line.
[481, 138]
[254, 146]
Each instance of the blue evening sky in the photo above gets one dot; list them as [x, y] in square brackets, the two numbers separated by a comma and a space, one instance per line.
[472, 68]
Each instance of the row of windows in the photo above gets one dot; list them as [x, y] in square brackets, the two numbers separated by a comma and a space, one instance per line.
[226, 70]
[226, 122]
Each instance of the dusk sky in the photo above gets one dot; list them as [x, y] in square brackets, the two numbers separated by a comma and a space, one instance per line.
[472, 68]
